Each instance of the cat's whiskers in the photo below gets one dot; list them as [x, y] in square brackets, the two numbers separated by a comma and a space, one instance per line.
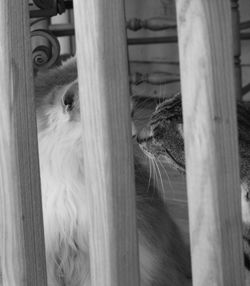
[150, 172]
[156, 181]
[154, 168]
[154, 163]
[167, 175]
[158, 172]
[153, 171]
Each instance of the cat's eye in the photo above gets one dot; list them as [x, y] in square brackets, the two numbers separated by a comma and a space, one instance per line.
[247, 196]
[68, 100]
[144, 135]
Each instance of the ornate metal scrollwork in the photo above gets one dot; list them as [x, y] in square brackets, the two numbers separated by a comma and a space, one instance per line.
[154, 78]
[45, 56]
[153, 24]
[48, 8]
[46, 49]
[45, 4]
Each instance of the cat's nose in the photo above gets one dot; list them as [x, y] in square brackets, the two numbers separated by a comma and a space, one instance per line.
[144, 135]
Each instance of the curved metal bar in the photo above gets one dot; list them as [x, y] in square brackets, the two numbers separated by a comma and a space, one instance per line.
[48, 8]
[153, 24]
[45, 4]
[154, 78]
[45, 56]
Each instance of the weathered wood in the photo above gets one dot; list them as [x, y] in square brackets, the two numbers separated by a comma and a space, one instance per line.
[236, 46]
[22, 239]
[104, 96]
[207, 81]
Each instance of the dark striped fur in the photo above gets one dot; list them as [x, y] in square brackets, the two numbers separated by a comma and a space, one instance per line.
[164, 139]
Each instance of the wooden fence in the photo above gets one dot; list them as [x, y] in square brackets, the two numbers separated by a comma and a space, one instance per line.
[206, 56]
[22, 239]
[208, 87]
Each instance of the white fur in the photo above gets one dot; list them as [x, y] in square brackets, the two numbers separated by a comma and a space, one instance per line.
[64, 194]
[245, 205]
[64, 199]
[147, 264]
[65, 202]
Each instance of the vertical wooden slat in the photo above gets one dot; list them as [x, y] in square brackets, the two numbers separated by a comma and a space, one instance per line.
[22, 240]
[236, 47]
[207, 81]
[104, 94]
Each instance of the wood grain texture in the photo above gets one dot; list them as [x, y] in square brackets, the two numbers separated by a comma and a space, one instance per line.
[236, 47]
[104, 97]
[22, 239]
[206, 56]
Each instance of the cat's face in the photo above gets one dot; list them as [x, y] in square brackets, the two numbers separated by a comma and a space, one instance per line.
[56, 97]
[162, 139]
[58, 121]
[60, 104]
[163, 136]
[58, 108]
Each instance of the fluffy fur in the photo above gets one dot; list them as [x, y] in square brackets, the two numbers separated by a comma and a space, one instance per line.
[164, 259]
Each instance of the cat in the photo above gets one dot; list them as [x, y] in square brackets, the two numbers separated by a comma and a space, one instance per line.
[164, 258]
[162, 139]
